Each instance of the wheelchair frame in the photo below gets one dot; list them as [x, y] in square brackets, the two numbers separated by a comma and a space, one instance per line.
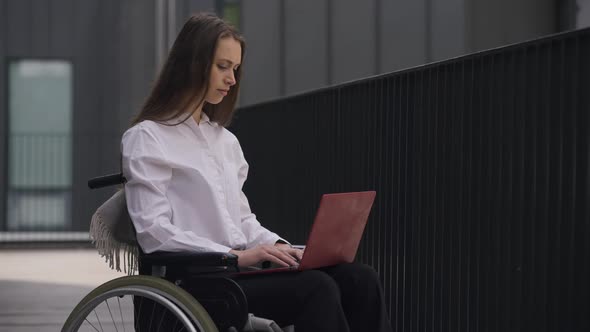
[219, 304]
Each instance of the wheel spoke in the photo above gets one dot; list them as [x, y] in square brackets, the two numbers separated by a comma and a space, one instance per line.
[110, 313]
[86, 319]
[98, 320]
[175, 323]
[136, 311]
[121, 313]
[153, 313]
[162, 320]
[171, 308]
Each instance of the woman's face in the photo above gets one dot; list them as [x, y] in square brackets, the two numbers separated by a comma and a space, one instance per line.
[226, 61]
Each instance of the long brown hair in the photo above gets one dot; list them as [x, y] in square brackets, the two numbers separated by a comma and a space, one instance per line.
[184, 78]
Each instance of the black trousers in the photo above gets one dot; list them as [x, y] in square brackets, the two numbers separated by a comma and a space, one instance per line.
[346, 297]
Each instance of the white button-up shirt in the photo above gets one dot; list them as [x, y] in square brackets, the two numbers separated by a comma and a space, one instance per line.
[184, 188]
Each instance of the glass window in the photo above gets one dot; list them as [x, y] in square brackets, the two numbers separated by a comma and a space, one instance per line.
[40, 144]
[231, 12]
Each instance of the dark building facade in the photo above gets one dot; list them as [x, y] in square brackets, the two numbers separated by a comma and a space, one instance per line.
[72, 74]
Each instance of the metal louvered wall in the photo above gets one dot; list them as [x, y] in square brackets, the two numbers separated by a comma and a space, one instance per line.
[481, 167]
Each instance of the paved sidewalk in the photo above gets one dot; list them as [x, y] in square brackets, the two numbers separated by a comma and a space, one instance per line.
[39, 288]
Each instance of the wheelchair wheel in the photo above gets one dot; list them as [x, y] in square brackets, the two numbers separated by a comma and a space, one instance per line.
[139, 303]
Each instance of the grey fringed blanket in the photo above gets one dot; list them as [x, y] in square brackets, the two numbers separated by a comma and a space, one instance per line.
[113, 235]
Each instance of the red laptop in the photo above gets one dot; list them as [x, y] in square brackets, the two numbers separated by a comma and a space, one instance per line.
[336, 231]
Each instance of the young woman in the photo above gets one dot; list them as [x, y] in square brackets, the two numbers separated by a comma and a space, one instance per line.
[185, 174]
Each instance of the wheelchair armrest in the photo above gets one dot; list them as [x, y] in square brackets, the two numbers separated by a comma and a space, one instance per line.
[211, 259]
[106, 180]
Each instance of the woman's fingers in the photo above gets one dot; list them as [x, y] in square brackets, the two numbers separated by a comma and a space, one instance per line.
[283, 256]
[297, 253]
[274, 259]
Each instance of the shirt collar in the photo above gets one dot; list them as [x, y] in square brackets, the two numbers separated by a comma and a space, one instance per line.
[206, 119]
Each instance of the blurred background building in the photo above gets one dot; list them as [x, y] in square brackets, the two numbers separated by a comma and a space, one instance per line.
[72, 73]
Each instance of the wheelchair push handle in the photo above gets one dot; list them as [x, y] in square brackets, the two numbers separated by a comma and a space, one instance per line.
[106, 180]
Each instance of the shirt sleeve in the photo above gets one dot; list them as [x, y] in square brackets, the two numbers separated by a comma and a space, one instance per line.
[148, 175]
[255, 233]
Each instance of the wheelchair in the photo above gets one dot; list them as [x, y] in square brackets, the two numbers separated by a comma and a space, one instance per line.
[173, 292]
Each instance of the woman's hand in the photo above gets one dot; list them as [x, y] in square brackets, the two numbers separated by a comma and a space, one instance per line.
[280, 254]
[296, 253]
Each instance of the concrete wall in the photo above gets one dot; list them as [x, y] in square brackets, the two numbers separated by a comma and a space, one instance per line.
[404, 36]
[262, 64]
[301, 45]
[353, 45]
[447, 29]
[501, 22]
[306, 28]
[583, 14]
